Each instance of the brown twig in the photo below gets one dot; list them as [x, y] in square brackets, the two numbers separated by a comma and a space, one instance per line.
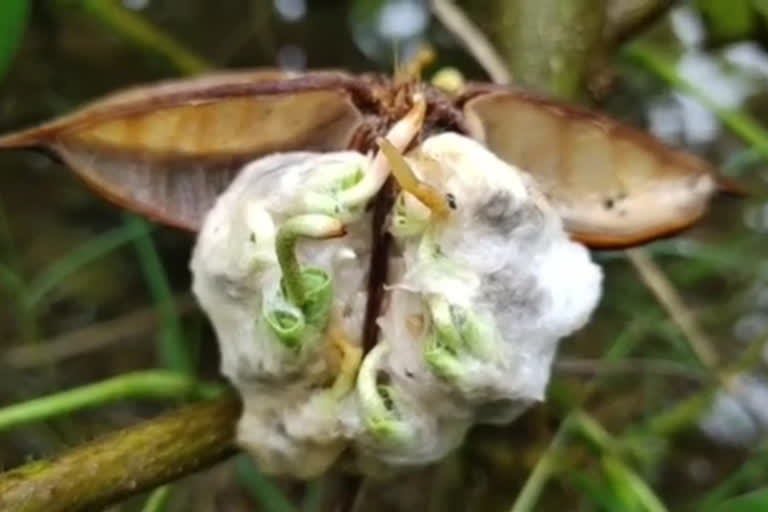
[91, 338]
[474, 41]
[124, 463]
[656, 281]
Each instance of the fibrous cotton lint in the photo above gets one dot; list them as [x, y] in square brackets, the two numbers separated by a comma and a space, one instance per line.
[476, 302]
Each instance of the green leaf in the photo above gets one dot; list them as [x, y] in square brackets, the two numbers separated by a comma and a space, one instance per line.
[596, 491]
[755, 501]
[728, 20]
[13, 21]
[761, 6]
[629, 487]
[261, 488]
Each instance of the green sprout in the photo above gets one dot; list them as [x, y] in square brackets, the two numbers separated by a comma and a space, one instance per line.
[345, 189]
[329, 196]
[308, 292]
[406, 222]
[379, 402]
[455, 333]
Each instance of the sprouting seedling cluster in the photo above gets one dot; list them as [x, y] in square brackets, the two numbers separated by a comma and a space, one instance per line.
[483, 284]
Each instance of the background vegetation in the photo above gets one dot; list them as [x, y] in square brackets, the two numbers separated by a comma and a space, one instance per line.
[660, 404]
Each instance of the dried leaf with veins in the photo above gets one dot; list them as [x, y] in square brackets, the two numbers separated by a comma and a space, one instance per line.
[168, 150]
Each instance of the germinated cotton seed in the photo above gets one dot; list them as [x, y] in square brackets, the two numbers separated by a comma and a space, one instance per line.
[276, 353]
[500, 279]
[484, 282]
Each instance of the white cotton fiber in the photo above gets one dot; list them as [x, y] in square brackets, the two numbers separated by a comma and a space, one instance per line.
[501, 254]
[476, 303]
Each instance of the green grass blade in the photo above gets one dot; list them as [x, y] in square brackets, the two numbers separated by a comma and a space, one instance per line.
[755, 501]
[14, 15]
[260, 488]
[172, 348]
[628, 484]
[147, 384]
[158, 500]
[78, 258]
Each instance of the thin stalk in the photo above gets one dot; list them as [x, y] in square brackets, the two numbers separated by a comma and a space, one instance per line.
[145, 385]
[545, 468]
[301, 226]
[683, 414]
[78, 258]
[174, 352]
[315, 494]
[663, 66]
[158, 500]
[13, 286]
[750, 473]
[259, 487]
[626, 479]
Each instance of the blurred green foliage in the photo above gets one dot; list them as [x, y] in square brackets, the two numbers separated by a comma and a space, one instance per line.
[755, 501]
[13, 21]
[730, 20]
[635, 446]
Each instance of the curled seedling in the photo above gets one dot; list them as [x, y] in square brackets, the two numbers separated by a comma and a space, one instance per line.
[378, 401]
[306, 294]
[456, 334]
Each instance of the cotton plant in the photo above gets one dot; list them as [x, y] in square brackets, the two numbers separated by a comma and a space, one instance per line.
[483, 283]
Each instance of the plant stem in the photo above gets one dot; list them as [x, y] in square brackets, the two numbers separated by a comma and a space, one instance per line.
[175, 353]
[260, 488]
[158, 500]
[14, 16]
[146, 384]
[309, 226]
[124, 463]
[544, 469]
[624, 478]
[82, 255]
[742, 124]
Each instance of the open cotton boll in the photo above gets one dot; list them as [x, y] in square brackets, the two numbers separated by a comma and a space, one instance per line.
[500, 272]
[291, 422]
[398, 427]
[476, 303]
[234, 264]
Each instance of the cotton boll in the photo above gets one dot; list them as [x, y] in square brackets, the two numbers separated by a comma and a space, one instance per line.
[294, 431]
[291, 422]
[501, 257]
[399, 428]
[404, 327]
[236, 273]
[475, 306]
